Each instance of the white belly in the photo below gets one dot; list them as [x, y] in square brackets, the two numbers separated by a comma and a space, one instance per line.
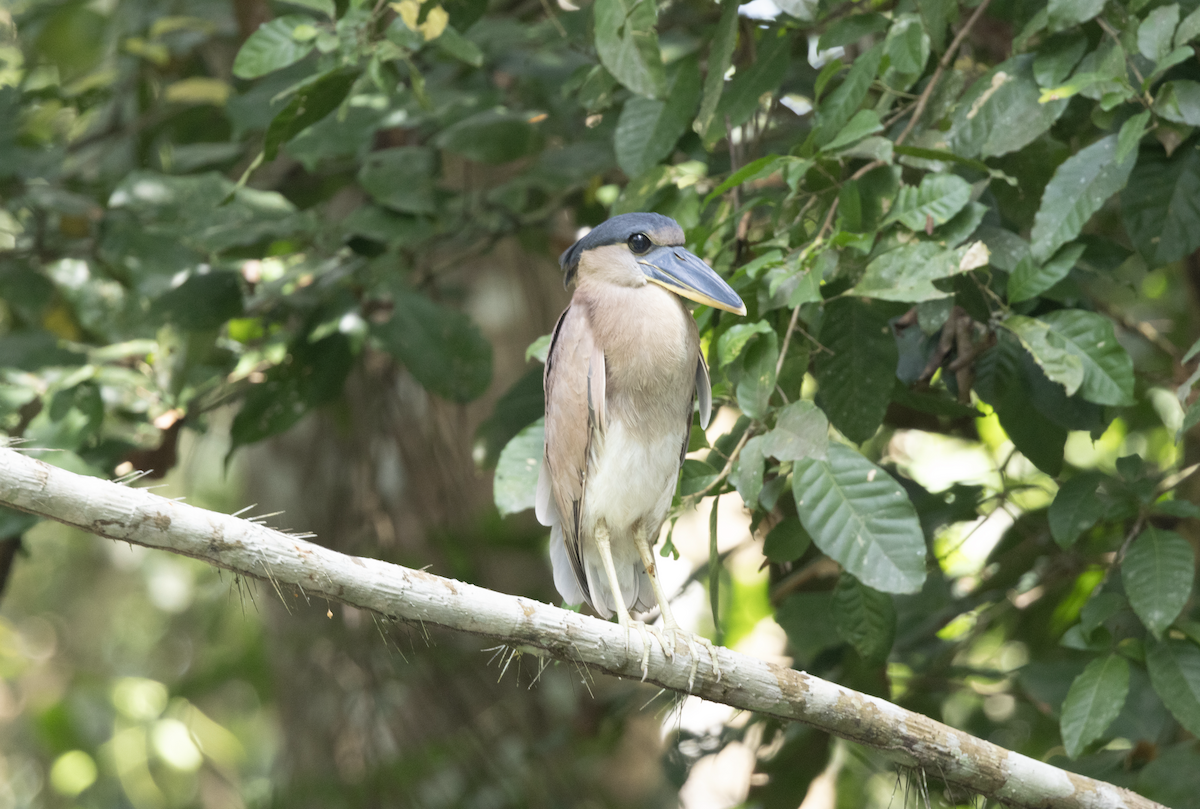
[631, 480]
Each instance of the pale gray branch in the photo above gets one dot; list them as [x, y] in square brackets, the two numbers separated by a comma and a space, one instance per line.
[135, 515]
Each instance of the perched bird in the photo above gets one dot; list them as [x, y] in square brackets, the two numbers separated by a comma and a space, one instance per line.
[623, 371]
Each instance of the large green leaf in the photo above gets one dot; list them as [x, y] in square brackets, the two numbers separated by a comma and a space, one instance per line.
[514, 488]
[1156, 31]
[1179, 101]
[203, 301]
[1161, 205]
[628, 46]
[1107, 366]
[1065, 13]
[836, 109]
[860, 517]
[747, 475]
[1030, 278]
[754, 378]
[649, 128]
[719, 54]
[1157, 573]
[856, 375]
[1059, 364]
[439, 346]
[272, 47]
[492, 136]
[401, 178]
[1080, 186]
[311, 104]
[801, 431]
[1001, 113]
[865, 618]
[787, 541]
[938, 198]
[907, 47]
[1094, 701]
[1076, 508]
[907, 273]
[743, 97]
[1174, 667]
[1003, 382]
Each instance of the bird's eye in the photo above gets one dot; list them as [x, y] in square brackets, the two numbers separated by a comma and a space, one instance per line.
[639, 243]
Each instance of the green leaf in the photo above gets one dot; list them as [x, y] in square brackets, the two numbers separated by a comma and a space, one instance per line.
[763, 167]
[1058, 363]
[1161, 205]
[457, 46]
[441, 347]
[852, 29]
[493, 136]
[1174, 667]
[1188, 30]
[1094, 701]
[801, 431]
[1030, 278]
[203, 301]
[939, 197]
[836, 109]
[1057, 56]
[648, 129]
[720, 53]
[860, 517]
[628, 46]
[865, 618]
[907, 49]
[1131, 134]
[856, 375]
[1157, 573]
[1065, 13]
[787, 541]
[1098, 609]
[323, 6]
[864, 122]
[1076, 508]
[732, 342]
[1107, 366]
[310, 104]
[1156, 31]
[1179, 101]
[401, 178]
[514, 487]
[743, 97]
[1003, 380]
[696, 476]
[907, 273]
[1080, 186]
[756, 381]
[314, 376]
[272, 47]
[747, 476]
[1001, 112]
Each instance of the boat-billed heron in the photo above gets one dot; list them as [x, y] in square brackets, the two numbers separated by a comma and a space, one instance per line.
[621, 377]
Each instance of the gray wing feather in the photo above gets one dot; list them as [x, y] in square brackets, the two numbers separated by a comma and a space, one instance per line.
[571, 418]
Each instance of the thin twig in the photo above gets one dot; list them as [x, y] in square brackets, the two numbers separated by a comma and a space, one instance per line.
[945, 62]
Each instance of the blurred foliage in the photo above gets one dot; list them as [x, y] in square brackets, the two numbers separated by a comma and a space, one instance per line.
[965, 236]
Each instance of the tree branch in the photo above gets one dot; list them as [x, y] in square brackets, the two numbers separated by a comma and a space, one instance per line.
[398, 593]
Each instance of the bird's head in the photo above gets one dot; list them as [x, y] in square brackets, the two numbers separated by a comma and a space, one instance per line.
[638, 248]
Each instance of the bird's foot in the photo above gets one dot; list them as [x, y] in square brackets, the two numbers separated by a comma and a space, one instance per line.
[646, 632]
[693, 642]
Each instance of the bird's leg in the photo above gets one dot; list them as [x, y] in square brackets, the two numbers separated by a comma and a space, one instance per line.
[604, 546]
[673, 630]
